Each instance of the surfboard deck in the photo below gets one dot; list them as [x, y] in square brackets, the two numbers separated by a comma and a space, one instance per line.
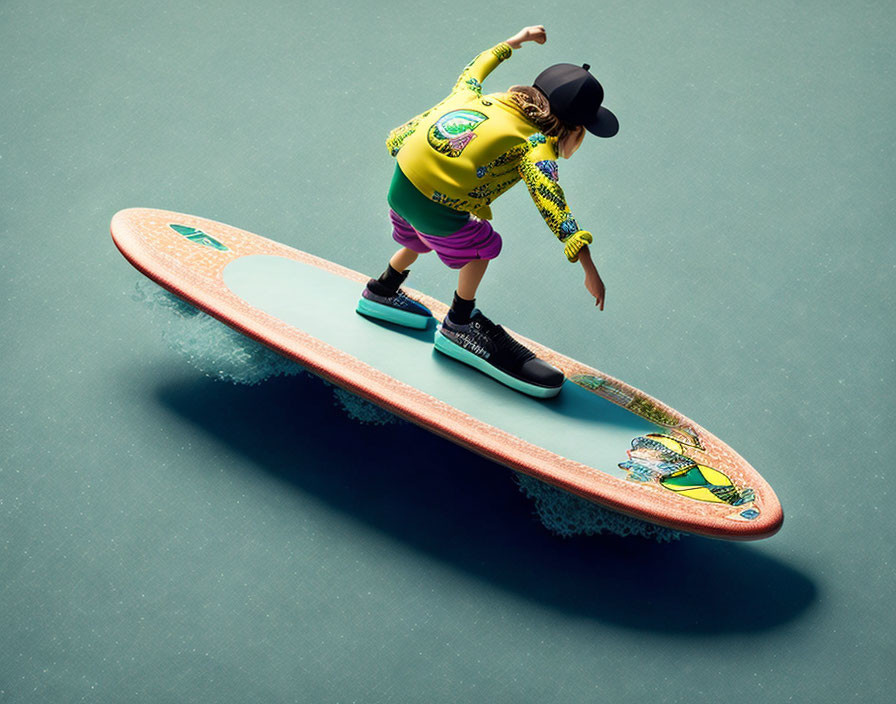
[600, 438]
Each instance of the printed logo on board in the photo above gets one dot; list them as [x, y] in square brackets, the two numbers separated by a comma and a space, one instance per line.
[198, 236]
[658, 458]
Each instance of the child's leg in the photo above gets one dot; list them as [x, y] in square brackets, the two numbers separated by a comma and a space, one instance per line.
[403, 258]
[383, 298]
[469, 250]
[478, 342]
[468, 280]
[470, 276]
[396, 272]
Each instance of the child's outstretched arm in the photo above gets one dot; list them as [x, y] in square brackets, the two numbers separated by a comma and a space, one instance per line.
[475, 72]
[539, 169]
[593, 282]
[470, 79]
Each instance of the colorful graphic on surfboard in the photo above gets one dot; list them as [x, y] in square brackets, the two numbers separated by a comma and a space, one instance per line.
[600, 438]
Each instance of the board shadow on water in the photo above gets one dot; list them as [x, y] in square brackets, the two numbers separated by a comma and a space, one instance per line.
[467, 511]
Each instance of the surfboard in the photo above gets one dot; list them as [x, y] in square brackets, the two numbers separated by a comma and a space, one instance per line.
[600, 438]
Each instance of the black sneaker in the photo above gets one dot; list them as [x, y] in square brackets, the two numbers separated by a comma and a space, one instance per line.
[378, 302]
[488, 348]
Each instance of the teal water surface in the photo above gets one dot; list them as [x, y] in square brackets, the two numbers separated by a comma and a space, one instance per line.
[172, 538]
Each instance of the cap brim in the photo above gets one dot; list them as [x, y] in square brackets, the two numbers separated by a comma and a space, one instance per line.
[604, 125]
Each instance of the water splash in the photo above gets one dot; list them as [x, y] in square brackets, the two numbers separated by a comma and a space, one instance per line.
[362, 410]
[566, 515]
[207, 344]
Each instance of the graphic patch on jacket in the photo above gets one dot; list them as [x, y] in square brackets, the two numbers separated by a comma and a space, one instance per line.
[454, 131]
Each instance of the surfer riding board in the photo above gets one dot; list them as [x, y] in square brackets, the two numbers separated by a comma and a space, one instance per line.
[551, 417]
[452, 161]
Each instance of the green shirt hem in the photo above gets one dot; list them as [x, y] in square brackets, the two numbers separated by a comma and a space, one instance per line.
[425, 215]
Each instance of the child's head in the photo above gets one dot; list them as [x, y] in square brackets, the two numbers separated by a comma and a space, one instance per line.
[564, 101]
[535, 106]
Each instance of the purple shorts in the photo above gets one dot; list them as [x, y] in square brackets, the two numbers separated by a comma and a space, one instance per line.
[475, 240]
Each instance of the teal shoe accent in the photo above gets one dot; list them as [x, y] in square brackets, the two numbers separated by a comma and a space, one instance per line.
[392, 315]
[446, 346]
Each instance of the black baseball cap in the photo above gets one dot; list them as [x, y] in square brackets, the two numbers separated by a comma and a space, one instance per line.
[575, 97]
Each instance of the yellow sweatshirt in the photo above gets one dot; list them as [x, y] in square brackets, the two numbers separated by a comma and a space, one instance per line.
[470, 148]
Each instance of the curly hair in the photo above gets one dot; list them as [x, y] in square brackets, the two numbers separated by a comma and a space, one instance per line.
[534, 105]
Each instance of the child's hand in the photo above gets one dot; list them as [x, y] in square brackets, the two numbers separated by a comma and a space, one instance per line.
[535, 33]
[592, 279]
[595, 286]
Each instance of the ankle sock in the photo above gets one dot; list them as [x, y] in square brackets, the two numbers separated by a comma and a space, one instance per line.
[389, 282]
[393, 279]
[461, 309]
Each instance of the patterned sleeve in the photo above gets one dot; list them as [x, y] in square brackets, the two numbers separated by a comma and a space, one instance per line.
[470, 79]
[538, 168]
[475, 72]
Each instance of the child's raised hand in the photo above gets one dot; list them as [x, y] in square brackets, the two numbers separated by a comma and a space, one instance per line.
[536, 33]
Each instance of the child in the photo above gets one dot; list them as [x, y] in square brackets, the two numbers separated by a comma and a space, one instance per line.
[452, 161]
